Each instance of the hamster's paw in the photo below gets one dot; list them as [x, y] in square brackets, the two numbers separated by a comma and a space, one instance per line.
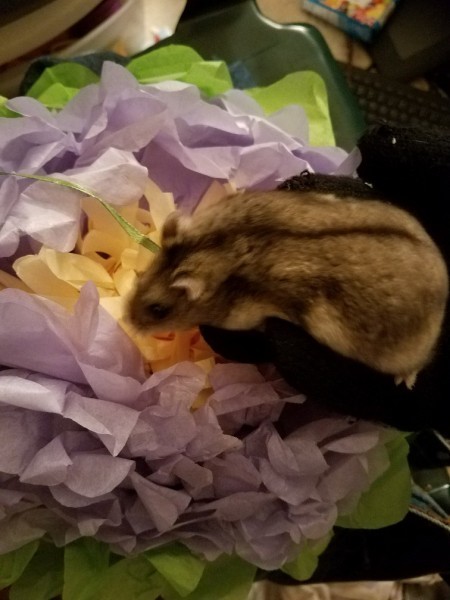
[409, 380]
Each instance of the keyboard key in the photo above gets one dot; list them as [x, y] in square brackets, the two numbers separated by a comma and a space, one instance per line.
[396, 103]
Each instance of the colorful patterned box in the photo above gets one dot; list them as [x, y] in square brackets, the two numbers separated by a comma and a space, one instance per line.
[359, 18]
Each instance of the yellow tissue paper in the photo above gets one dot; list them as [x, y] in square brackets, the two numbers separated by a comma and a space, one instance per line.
[106, 255]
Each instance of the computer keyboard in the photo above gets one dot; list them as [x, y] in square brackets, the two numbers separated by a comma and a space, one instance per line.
[382, 99]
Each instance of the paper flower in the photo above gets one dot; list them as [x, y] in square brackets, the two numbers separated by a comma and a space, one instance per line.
[145, 443]
[108, 257]
[120, 127]
[124, 458]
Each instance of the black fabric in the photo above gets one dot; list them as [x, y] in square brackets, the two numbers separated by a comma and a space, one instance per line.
[411, 548]
[240, 346]
[428, 450]
[341, 384]
[406, 173]
[412, 168]
[328, 184]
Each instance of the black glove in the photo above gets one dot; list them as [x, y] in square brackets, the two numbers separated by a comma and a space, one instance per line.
[402, 174]
[342, 384]
[411, 167]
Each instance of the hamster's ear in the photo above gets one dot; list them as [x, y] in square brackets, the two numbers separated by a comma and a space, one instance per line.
[174, 227]
[193, 286]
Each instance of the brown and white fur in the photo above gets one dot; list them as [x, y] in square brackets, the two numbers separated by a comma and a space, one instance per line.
[361, 276]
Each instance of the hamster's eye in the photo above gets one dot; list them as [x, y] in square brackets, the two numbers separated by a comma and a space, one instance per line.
[158, 311]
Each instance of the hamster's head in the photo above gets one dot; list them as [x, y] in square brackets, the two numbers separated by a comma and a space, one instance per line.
[178, 290]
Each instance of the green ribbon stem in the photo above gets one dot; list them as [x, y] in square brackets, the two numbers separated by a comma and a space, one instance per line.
[134, 233]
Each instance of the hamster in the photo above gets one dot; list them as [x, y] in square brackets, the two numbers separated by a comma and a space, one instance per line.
[361, 276]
